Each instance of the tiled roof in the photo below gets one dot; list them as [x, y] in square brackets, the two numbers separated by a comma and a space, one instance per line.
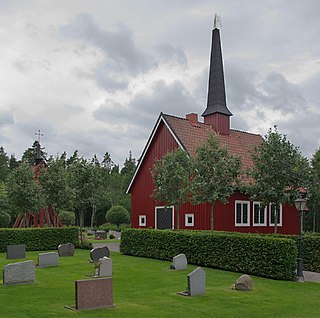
[191, 135]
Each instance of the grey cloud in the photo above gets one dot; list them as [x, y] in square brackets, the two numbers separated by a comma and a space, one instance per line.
[118, 45]
[6, 118]
[27, 65]
[167, 53]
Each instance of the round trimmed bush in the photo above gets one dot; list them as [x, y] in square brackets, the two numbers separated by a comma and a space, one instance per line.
[118, 215]
[5, 219]
[67, 218]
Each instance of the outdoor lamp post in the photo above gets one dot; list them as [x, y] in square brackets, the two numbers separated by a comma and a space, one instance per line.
[300, 205]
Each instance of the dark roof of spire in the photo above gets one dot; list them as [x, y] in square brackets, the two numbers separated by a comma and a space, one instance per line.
[216, 102]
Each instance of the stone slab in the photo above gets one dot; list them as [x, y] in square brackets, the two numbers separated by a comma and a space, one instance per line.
[99, 252]
[244, 283]
[105, 267]
[48, 259]
[179, 262]
[196, 281]
[19, 273]
[16, 251]
[94, 293]
[66, 249]
[100, 235]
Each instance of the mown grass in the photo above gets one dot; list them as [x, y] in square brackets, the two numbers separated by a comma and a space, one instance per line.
[147, 288]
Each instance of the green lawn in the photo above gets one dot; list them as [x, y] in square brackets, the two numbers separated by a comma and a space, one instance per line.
[147, 288]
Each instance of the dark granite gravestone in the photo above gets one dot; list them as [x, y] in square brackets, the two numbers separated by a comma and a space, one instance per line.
[19, 273]
[48, 259]
[16, 251]
[100, 235]
[196, 283]
[91, 232]
[66, 249]
[93, 293]
[99, 252]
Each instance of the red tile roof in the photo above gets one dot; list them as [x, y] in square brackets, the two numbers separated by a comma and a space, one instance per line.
[238, 143]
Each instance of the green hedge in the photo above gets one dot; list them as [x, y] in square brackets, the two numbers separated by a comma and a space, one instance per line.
[247, 253]
[39, 239]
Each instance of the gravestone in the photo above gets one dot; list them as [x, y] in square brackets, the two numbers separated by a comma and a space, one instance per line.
[99, 252]
[66, 249]
[19, 273]
[48, 259]
[100, 235]
[90, 232]
[196, 281]
[179, 262]
[93, 293]
[244, 283]
[105, 267]
[16, 251]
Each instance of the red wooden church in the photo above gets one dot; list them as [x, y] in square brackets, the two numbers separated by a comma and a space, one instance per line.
[240, 214]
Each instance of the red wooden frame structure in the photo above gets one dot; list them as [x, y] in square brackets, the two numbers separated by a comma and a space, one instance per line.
[46, 217]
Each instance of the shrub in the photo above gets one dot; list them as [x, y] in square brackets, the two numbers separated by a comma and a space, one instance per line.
[67, 217]
[118, 215]
[39, 239]
[85, 245]
[5, 219]
[247, 253]
[111, 236]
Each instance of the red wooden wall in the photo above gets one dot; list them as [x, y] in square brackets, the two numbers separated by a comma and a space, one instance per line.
[224, 215]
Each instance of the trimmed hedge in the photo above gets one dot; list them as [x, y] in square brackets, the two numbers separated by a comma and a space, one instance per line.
[265, 256]
[39, 239]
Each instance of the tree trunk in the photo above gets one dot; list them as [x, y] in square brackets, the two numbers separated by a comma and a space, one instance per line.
[81, 220]
[178, 216]
[211, 217]
[276, 211]
[94, 210]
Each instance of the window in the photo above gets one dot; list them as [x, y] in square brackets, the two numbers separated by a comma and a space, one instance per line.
[189, 220]
[242, 213]
[272, 215]
[142, 220]
[259, 214]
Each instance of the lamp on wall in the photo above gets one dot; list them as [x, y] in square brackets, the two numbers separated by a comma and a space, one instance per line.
[300, 205]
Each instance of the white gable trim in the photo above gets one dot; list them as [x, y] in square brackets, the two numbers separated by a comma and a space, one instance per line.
[149, 142]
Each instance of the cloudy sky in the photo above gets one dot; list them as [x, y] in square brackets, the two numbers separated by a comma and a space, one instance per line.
[94, 75]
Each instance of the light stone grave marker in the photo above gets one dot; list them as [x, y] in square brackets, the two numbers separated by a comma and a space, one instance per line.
[19, 273]
[16, 251]
[99, 252]
[179, 262]
[48, 259]
[66, 249]
[104, 267]
[196, 283]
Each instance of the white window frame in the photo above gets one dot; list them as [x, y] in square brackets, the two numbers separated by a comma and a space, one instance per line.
[265, 214]
[235, 213]
[186, 216]
[272, 224]
[155, 215]
[141, 219]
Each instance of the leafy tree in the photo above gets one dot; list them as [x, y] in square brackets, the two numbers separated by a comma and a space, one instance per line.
[216, 174]
[107, 162]
[23, 191]
[171, 177]
[54, 183]
[5, 219]
[312, 218]
[4, 165]
[84, 183]
[95, 161]
[67, 217]
[74, 158]
[279, 170]
[13, 162]
[118, 215]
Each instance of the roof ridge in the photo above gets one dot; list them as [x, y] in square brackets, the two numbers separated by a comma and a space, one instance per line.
[244, 132]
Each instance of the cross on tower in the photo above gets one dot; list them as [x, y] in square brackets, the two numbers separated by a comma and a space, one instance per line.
[39, 135]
